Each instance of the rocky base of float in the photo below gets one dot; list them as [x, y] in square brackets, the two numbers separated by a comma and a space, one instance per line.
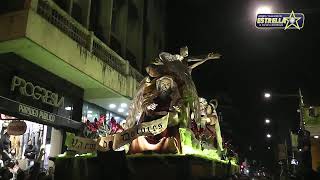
[167, 167]
[118, 165]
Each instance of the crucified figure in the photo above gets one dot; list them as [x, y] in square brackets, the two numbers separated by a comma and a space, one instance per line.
[184, 56]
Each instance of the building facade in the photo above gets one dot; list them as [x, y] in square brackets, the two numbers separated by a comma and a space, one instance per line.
[65, 62]
[48, 105]
[134, 29]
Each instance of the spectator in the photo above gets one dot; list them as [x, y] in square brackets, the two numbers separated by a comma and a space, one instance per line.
[5, 145]
[30, 153]
[5, 174]
[1, 161]
[18, 172]
[35, 169]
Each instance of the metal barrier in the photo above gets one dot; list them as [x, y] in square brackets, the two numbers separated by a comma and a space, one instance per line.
[102, 51]
[136, 74]
[56, 16]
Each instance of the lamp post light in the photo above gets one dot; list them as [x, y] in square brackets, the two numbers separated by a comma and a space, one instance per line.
[267, 95]
[267, 121]
[268, 135]
[263, 10]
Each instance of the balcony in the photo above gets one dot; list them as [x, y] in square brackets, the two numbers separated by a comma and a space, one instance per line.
[46, 35]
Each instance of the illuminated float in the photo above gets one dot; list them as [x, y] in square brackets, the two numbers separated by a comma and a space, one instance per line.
[169, 93]
[166, 119]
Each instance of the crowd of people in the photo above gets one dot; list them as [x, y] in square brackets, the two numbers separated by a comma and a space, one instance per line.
[10, 168]
[12, 171]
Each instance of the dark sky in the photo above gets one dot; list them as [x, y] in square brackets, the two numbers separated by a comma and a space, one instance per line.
[253, 61]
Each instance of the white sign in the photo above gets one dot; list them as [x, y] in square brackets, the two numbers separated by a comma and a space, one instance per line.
[80, 144]
[144, 129]
[118, 140]
[37, 113]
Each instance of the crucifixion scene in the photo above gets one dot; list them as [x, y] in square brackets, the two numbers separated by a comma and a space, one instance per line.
[159, 90]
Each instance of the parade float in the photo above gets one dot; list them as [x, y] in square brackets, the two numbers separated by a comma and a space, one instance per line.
[170, 131]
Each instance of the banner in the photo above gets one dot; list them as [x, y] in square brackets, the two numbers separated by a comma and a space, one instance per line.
[118, 140]
[144, 129]
[80, 144]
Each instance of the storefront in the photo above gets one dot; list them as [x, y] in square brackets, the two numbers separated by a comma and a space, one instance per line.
[92, 112]
[45, 104]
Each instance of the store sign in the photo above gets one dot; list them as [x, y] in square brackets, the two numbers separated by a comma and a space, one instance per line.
[17, 128]
[37, 113]
[27, 112]
[36, 92]
[83, 145]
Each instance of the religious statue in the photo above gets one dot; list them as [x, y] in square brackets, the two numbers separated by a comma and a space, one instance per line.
[208, 131]
[168, 90]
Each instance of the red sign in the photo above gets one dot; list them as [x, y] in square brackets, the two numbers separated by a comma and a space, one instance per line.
[17, 128]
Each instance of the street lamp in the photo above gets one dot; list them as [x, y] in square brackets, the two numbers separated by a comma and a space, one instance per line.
[263, 10]
[267, 121]
[268, 135]
[267, 95]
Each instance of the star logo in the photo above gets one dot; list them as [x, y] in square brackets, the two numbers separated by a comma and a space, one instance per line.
[292, 20]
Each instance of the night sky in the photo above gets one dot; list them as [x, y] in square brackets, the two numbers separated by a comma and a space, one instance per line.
[253, 60]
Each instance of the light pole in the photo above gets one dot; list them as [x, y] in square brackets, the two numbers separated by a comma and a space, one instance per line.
[268, 96]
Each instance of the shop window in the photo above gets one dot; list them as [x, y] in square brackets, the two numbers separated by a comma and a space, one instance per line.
[90, 112]
[25, 148]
